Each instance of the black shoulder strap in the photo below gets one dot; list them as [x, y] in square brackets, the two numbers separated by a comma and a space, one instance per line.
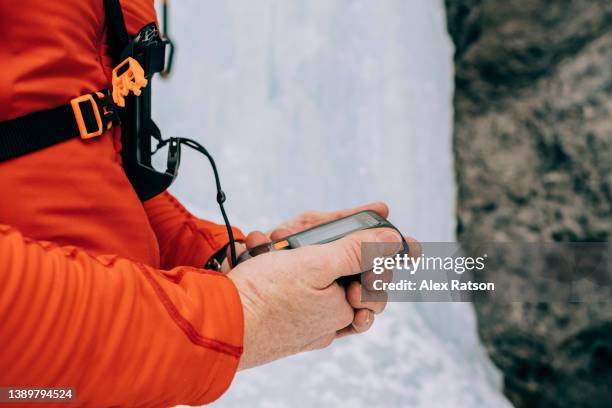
[117, 31]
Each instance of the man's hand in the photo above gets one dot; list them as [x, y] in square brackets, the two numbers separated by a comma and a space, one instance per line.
[297, 224]
[364, 311]
[313, 218]
[291, 301]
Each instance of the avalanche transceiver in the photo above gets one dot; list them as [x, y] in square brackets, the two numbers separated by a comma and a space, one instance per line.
[324, 233]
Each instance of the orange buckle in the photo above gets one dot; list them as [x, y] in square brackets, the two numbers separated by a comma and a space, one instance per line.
[79, 115]
[131, 79]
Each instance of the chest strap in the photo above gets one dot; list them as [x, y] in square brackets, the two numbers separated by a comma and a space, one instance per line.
[127, 102]
[86, 116]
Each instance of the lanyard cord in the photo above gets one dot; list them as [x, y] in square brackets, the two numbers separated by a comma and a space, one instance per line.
[220, 194]
[193, 144]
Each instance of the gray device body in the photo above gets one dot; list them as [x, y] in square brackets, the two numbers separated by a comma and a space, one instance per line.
[324, 233]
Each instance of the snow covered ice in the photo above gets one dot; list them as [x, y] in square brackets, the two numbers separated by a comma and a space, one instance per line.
[324, 105]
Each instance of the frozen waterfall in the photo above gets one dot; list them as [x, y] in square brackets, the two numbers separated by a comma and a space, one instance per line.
[323, 105]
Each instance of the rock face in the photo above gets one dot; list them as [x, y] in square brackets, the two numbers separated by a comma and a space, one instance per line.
[533, 158]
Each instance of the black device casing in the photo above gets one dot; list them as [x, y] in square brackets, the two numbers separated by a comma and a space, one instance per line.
[381, 222]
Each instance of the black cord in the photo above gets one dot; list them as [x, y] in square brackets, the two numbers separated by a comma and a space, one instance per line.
[220, 194]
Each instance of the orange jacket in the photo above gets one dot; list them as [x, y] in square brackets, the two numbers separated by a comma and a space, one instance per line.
[83, 301]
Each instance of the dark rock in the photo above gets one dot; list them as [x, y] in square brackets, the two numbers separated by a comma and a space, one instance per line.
[533, 158]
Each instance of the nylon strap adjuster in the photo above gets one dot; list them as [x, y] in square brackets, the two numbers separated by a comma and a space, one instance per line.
[127, 76]
[98, 109]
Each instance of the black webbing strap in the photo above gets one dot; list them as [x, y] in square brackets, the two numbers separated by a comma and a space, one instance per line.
[117, 32]
[45, 128]
[42, 129]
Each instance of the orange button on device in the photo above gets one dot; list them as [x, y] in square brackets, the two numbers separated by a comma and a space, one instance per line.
[281, 244]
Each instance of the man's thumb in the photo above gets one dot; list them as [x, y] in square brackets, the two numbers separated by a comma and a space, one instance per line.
[344, 256]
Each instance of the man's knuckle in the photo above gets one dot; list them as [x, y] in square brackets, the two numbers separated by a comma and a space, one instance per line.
[326, 341]
[309, 216]
[329, 340]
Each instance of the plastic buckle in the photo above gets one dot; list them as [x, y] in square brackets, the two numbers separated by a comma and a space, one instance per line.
[132, 78]
[78, 114]
[104, 113]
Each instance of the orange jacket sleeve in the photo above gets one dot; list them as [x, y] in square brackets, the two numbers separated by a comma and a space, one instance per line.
[120, 332]
[184, 239]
